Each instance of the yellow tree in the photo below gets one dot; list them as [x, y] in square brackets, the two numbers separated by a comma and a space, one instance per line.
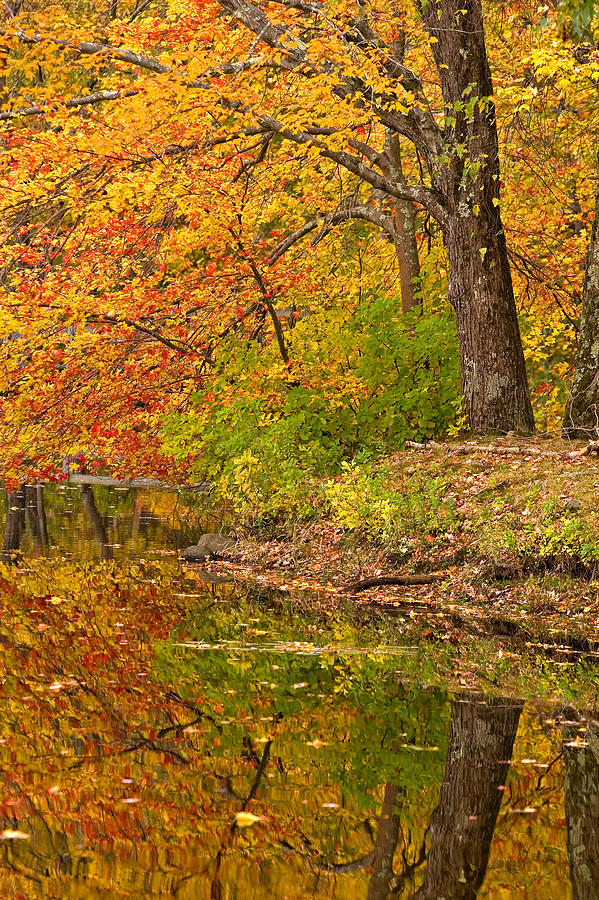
[320, 91]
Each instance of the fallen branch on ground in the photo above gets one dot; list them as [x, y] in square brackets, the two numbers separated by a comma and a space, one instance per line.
[591, 447]
[403, 580]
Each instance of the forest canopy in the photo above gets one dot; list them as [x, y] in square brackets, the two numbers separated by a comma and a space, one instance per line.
[249, 240]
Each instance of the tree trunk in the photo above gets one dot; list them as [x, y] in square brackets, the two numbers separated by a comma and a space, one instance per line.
[494, 386]
[495, 389]
[404, 219]
[379, 886]
[404, 211]
[581, 418]
[582, 812]
[478, 758]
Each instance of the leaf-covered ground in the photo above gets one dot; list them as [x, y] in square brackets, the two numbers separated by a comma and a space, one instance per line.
[513, 533]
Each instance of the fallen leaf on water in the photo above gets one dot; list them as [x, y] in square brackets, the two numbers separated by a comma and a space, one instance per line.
[417, 747]
[245, 819]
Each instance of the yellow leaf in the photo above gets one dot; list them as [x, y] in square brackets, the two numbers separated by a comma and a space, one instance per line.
[245, 819]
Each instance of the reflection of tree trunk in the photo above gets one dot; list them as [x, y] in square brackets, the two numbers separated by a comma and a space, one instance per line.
[137, 511]
[15, 523]
[97, 523]
[384, 848]
[478, 758]
[41, 515]
[582, 812]
[36, 515]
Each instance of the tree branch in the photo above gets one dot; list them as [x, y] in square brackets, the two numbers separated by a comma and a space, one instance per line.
[366, 213]
[428, 198]
[86, 48]
[74, 102]
[266, 297]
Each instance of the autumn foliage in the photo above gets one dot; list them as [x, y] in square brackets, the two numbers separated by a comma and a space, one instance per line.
[193, 275]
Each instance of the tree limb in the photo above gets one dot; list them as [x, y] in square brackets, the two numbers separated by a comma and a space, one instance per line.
[74, 102]
[430, 199]
[367, 213]
[87, 48]
[405, 580]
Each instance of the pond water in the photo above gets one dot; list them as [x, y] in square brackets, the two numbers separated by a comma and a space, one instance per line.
[164, 737]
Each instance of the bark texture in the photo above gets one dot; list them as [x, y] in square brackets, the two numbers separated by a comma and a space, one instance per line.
[478, 758]
[494, 383]
[582, 812]
[581, 418]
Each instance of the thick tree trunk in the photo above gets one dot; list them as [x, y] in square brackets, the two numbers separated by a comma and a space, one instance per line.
[478, 758]
[582, 812]
[494, 386]
[581, 418]
[495, 389]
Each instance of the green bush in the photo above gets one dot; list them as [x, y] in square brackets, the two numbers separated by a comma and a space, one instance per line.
[361, 382]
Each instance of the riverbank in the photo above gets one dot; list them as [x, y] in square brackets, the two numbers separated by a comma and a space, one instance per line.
[508, 532]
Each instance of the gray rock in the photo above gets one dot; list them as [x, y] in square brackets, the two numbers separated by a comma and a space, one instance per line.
[573, 504]
[209, 544]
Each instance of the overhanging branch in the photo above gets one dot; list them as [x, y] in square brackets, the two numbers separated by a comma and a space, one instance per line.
[345, 213]
[425, 197]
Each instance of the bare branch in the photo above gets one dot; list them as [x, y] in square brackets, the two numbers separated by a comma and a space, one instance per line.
[140, 9]
[266, 297]
[86, 48]
[74, 102]
[344, 213]
[418, 125]
[276, 36]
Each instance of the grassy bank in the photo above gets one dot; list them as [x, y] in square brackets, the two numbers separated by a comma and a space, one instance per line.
[512, 531]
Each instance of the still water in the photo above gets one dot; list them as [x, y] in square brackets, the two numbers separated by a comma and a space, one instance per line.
[164, 737]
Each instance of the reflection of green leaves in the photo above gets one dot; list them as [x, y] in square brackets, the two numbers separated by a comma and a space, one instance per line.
[354, 704]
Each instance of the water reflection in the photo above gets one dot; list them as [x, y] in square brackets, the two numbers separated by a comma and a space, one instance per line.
[581, 754]
[480, 747]
[94, 522]
[161, 735]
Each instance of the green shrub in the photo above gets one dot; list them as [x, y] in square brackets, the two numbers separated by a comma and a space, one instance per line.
[361, 382]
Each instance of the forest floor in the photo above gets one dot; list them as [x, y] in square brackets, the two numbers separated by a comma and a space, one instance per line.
[507, 530]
